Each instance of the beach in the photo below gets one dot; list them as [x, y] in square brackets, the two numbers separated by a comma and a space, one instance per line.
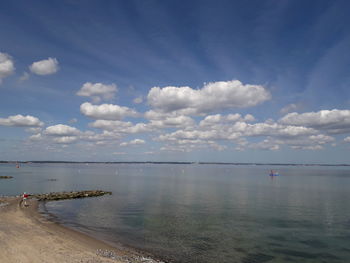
[27, 236]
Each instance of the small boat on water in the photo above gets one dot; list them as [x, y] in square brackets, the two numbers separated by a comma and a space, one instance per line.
[274, 173]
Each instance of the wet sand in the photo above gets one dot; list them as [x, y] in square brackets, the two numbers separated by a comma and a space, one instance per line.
[27, 236]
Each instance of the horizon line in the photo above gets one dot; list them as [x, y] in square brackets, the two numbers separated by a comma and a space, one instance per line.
[179, 162]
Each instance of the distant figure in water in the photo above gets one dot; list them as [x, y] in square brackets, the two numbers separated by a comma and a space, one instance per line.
[17, 165]
[24, 199]
[273, 173]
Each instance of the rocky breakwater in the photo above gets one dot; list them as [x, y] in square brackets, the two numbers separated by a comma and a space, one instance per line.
[69, 195]
[5, 177]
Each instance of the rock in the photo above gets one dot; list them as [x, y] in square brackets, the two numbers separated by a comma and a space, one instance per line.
[6, 177]
[69, 195]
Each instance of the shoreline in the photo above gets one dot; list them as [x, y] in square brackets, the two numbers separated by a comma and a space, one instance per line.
[26, 235]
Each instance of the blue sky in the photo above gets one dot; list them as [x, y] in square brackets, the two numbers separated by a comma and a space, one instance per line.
[229, 81]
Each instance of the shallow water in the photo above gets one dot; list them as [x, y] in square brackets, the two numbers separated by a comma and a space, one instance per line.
[203, 213]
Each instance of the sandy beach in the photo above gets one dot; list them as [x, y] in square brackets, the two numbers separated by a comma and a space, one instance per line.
[26, 236]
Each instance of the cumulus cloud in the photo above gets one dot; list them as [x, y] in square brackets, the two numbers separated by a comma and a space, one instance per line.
[235, 129]
[21, 121]
[111, 125]
[192, 145]
[121, 127]
[133, 142]
[347, 139]
[265, 145]
[217, 127]
[289, 108]
[321, 139]
[6, 66]
[332, 121]
[156, 115]
[35, 137]
[74, 120]
[61, 130]
[45, 67]
[98, 91]
[213, 96]
[138, 100]
[34, 130]
[266, 129]
[65, 139]
[191, 135]
[212, 120]
[104, 136]
[309, 147]
[154, 125]
[24, 76]
[172, 122]
[106, 111]
[306, 141]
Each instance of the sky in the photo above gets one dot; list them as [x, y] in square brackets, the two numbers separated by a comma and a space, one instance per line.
[211, 81]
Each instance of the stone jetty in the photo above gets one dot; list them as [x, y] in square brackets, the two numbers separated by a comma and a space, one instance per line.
[5, 177]
[69, 195]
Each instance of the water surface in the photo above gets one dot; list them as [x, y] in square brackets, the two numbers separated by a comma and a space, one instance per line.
[203, 213]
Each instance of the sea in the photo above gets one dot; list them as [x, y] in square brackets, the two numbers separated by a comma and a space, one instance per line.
[207, 213]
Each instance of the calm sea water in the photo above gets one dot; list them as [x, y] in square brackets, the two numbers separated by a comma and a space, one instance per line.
[203, 213]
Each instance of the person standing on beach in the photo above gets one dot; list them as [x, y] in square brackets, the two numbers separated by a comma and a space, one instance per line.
[24, 199]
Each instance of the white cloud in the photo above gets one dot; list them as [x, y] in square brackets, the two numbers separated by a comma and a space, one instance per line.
[61, 130]
[233, 128]
[106, 111]
[248, 118]
[121, 127]
[104, 136]
[65, 139]
[45, 67]
[111, 125]
[133, 142]
[138, 100]
[157, 115]
[217, 127]
[21, 121]
[313, 142]
[6, 66]
[266, 144]
[98, 91]
[191, 135]
[347, 139]
[172, 122]
[34, 130]
[265, 129]
[333, 121]
[24, 77]
[309, 147]
[192, 145]
[289, 108]
[306, 141]
[213, 120]
[154, 125]
[321, 139]
[213, 96]
[35, 137]
[74, 120]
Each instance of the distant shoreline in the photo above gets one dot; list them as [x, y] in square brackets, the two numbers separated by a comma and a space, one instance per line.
[149, 162]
